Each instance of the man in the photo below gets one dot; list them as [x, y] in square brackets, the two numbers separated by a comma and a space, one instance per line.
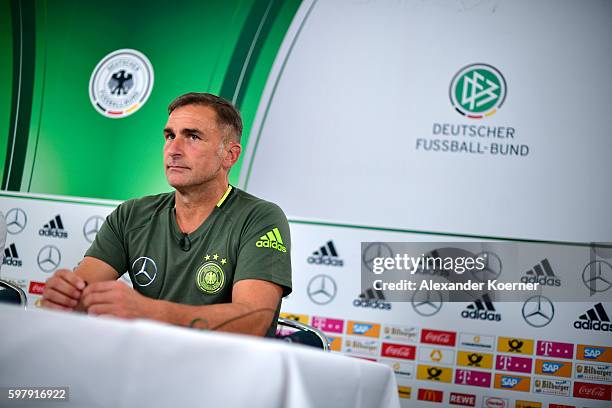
[207, 255]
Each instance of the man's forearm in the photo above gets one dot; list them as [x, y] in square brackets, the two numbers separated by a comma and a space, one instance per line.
[227, 317]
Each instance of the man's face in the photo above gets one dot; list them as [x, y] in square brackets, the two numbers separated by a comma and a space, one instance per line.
[193, 153]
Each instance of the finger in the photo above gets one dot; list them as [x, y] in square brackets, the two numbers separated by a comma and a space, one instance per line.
[97, 287]
[72, 278]
[47, 304]
[63, 287]
[59, 298]
[98, 298]
[104, 309]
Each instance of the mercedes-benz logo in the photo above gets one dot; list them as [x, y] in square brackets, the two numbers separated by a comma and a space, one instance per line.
[16, 220]
[375, 250]
[91, 227]
[322, 289]
[49, 258]
[144, 271]
[427, 302]
[538, 311]
[597, 276]
[493, 267]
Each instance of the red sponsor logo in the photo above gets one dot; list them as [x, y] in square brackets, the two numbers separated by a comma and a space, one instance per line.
[601, 392]
[468, 400]
[398, 351]
[36, 288]
[560, 406]
[443, 338]
[430, 395]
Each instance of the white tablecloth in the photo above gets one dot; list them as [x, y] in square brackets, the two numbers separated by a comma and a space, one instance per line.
[117, 363]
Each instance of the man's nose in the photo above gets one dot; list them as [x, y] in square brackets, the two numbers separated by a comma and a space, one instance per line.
[175, 147]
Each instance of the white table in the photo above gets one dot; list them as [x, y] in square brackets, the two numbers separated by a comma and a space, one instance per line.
[116, 363]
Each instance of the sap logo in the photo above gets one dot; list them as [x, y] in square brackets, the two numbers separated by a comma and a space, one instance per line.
[509, 382]
[551, 368]
[361, 328]
[592, 352]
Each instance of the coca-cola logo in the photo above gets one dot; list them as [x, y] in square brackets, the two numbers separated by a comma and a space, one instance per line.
[592, 391]
[398, 351]
[36, 288]
[438, 337]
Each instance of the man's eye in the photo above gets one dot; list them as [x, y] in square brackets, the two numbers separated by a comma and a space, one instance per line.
[169, 136]
[194, 136]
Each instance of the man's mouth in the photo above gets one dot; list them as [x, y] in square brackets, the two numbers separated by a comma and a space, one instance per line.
[176, 167]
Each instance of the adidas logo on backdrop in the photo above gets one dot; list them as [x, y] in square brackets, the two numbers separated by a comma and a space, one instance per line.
[11, 257]
[54, 228]
[543, 274]
[371, 298]
[481, 309]
[595, 318]
[272, 239]
[326, 255]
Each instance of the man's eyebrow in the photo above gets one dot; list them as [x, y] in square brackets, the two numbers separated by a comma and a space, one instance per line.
[168, 130]
[190, 130]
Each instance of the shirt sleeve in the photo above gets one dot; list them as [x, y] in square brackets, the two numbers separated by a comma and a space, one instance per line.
[265, 247]
[109, 244]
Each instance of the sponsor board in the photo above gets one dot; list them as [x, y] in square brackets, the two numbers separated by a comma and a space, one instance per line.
[361, 346]
[527, 404]
[594, 353]
[512, 382]
[405, 370]
[513, 363]
[36, 288]
[560, 406]
[404, 392]
[408, 334]
[476, 341]
[551, 386]
[601, 392]
[595, 372]
[363, 329]
[434, 373]
[430, 395]
[554, 368]
[473, 378]
[494, 402]
[297, 317]
[328, 325]
[393, 350]
[436, 355]
[515, 345]
[467, 400]
[554, 349]
[474, 359]
[335, 343]
[442, 338]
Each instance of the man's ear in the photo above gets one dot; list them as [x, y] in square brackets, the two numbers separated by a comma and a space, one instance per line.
[232, 154]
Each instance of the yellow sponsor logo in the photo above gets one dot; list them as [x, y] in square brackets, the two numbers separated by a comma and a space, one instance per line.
[514, 345]
[404, 392]
[297, 317]
[475, 359]
[434, 373]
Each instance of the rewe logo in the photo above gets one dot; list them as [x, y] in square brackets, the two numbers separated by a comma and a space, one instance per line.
[54, 228]
[11, 257]
[595, 319]
[272, 239]
[371, 298]
[542, 274]
[326, 255]
[481, 309]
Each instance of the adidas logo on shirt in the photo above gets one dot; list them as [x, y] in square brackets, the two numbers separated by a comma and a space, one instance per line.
[595, 318]
[11, 257]
[543, 274]
[326, 255]
[481, 309]
[271, 240]
[372, 298]
[54, 228]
